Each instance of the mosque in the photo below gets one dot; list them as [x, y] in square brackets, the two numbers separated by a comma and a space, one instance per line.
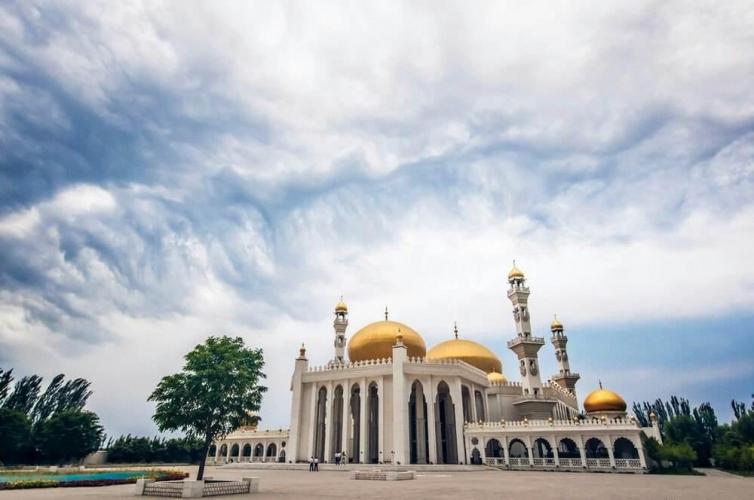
[393, 401]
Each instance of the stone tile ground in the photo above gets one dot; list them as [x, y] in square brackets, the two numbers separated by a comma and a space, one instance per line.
[280, 484]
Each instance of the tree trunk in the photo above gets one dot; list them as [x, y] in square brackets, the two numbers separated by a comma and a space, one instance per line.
[203, 459]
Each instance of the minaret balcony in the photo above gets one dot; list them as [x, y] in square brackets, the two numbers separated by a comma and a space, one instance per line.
[523, 340]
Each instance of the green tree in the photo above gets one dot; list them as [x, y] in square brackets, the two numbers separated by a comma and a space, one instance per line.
[218, 387]
[69, 435]
[15, 435]
[681, 455]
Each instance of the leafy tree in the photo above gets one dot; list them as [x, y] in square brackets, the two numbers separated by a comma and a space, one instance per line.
[70, 434]
[25, 394]
[132, 449]
[218, 387]
[15, 435]
[680, 423]
[6, 378]
[681, 455]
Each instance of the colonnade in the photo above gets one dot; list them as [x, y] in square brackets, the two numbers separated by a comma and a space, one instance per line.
[265, 450]
[348, 416]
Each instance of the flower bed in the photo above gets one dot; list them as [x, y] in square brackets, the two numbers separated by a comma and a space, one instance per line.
[51, 482]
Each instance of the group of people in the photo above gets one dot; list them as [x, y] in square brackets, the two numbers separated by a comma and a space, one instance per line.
[340, 459]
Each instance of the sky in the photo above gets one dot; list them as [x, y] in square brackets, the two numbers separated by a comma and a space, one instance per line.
[174, 170]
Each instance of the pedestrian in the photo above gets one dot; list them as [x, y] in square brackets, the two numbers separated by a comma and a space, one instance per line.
[337, 459]
[316, 464]
[344, 458]
[311, 464]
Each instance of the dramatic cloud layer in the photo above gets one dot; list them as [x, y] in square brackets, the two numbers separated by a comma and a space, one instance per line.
[174, 170]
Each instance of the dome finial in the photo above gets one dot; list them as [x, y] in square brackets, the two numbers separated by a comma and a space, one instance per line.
[341, 306]
[455, 329]
[385, 313]
[600, 382]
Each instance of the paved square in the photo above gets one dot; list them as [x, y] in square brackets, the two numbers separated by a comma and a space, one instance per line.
[492, 484]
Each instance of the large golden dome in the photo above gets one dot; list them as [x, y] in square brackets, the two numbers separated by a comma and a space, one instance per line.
[469, 351]
[604, 400]
[376, 340]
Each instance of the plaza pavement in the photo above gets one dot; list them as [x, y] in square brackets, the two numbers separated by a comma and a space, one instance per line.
[486, 484]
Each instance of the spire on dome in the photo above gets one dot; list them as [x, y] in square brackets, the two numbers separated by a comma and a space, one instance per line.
[385, 313]
[455, 328]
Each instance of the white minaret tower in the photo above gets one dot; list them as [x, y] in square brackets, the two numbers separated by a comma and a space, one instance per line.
[524, 345]
[565, 377]
[340, 324]
[534, 404]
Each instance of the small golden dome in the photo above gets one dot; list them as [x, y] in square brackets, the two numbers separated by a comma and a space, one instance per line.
[496, 378]
[515, 273]
[556, 325]
[376, 340]
[341, 306]
[469, 351]
[604, 400]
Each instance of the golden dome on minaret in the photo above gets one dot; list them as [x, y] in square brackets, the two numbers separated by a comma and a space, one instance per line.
[515, 273]
[604, 400]
[376, 340]
[556, 325]
[469, 351]
[341, 306]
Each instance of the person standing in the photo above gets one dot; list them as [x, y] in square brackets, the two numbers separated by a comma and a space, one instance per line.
[344, 458]
[316, 464]
[337, 459]
[311, 464]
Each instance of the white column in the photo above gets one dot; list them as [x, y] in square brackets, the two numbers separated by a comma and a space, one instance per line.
[458, 406]
[472, 402]
[555, 450]
[610, 451]
[582, 451]
[312, 422]
[431, 395]
[381, 420]
[506, 455]
[363, 429]
[529, 450]
[328, 422]
[346, 418]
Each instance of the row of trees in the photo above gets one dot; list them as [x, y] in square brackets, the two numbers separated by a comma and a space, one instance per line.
[692, 436]
[46, 426]
[133, 449]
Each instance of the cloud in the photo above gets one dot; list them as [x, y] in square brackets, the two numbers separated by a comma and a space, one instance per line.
[168, 173]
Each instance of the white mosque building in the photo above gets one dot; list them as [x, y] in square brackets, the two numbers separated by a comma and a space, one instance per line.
[393, 401]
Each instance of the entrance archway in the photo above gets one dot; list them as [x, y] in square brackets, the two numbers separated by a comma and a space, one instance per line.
[272, 452]
[355, 402]
[373, 420]
[246, 452]
[447, 452]
[418, 426]
[336, 437]
[258, 452]
[320, 424]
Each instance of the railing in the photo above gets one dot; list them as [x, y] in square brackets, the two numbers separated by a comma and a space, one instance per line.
[627, 463]
[529, 339]
[550, 462]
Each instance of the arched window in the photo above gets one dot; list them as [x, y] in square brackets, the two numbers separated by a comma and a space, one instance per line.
[541, 449]
[567, 449]
[259, 450]
[271, 450]
[595, 448]
[212, 451]
[246, 452]
[493, 449]
[517, 449]
[624, 448]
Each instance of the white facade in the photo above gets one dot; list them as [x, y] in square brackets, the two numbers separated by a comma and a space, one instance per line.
[414, 410]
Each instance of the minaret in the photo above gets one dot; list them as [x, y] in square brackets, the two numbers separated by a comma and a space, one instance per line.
[564, 378]
[340, 324]
[533, 403]
[524, 345]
